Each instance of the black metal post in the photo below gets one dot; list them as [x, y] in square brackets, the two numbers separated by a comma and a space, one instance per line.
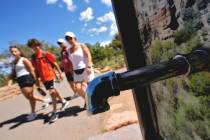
[127, 23]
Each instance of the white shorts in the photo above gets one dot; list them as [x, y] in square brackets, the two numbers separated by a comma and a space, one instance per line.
[84, 77]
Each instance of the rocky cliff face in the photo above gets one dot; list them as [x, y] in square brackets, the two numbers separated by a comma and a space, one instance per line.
[170, 27]
[161, 18]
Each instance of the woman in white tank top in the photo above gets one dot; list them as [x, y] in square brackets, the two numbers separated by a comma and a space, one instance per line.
[77, 57]
[20, 68]
[81, 59]
[24, 72]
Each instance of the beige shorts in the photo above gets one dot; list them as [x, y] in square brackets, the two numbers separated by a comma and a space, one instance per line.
[84, 77]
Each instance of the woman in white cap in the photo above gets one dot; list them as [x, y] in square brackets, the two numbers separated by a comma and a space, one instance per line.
[66, 64]
[81, 59]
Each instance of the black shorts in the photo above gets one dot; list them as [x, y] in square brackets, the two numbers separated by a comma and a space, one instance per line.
[69, 77]
[49, 85]
[25, 81]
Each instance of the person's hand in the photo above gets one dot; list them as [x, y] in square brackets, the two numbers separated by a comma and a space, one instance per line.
[61, 76]
[89, 70]
[38, 83]
[9, 86]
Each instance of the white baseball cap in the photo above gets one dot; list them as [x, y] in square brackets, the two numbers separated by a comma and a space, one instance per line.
[61, 40]
[70, 34]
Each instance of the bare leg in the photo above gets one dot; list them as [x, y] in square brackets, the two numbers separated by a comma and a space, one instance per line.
[28, 93]
[58, 95]
[84, 87]
[72, 85]
[37, 98]
[53, 96]
[79, 89]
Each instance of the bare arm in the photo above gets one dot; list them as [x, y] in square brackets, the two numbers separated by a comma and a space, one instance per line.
[58, 70]
[10, 78]
[9, 83]
[87, 55]
[29, 67]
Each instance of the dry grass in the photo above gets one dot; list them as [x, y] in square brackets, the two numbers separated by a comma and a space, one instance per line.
[6, 93]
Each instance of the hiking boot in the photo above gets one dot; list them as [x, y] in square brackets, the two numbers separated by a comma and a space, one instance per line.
[53, 117]
[31, 116]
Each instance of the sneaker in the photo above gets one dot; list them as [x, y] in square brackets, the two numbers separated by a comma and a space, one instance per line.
[45, 105]
[31, 116]
[64, 105]
[53, 117]
[46, 102]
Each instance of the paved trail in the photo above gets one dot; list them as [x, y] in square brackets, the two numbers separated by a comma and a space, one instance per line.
[73, 123]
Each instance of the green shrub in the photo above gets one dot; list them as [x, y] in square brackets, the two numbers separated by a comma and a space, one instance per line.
[194, 42]
[189, 118]
[162, 50]
[116, 42]
[107, 56]
[200, 84]
[184, 34]
[3, 80]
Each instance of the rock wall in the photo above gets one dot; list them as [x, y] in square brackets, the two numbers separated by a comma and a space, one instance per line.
[161, 18]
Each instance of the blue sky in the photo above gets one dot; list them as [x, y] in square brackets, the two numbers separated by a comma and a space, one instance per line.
[90, 20]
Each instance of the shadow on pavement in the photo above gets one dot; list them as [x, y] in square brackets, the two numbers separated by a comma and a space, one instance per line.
[72, 97]
[21, 119]
[71, 111]
[66, 98]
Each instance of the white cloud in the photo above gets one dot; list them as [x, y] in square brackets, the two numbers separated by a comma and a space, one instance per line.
[87, 1]
[113, 29]
[109, 17]
[97, 31]
[87, 15]
[85, 25]
[107, 2]
[51, 1]
[105, 43]
[102, 29]
[70, 5]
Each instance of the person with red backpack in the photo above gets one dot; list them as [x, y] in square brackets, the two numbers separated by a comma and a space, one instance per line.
[44, 62]
[67, 64]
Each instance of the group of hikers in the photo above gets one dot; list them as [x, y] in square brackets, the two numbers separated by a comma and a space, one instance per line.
[76, 63]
